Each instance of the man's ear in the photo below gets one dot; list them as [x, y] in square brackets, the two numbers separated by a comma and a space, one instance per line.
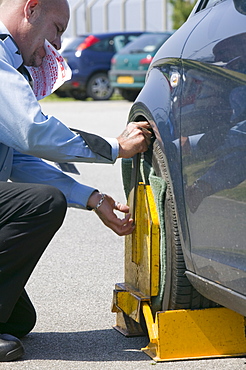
[32, 10]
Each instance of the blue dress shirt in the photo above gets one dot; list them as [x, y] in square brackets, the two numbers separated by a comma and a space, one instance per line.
[26, 135]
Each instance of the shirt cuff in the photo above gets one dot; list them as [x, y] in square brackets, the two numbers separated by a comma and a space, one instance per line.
[115, 147]
[79, 196]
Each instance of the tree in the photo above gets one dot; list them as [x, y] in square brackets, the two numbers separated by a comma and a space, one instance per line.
[181, 11]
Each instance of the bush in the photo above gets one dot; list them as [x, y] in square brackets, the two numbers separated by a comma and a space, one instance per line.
[181, 11]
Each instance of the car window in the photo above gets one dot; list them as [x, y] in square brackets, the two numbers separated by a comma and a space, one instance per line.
[211, 3]
[146, 43]
[121, 40]
[131, 38]
[104, 45]
[207, 4]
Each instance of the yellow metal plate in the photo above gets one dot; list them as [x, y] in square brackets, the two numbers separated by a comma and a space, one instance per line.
[211, 332]
[142, 246]
[125, 80]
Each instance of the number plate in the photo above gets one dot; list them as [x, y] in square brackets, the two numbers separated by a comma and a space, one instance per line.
[125, 80]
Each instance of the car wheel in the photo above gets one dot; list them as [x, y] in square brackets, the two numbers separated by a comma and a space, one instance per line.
[178, 292]
[130, 95]
[99, 88]
[61, 94]
[78, 94]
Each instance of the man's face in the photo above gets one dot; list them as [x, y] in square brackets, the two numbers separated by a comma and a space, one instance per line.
[49, 25]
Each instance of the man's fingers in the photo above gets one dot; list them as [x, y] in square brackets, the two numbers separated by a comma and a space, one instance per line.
[121, 207]
[145, 129]
[124, 227]
[135, 139]
[121, 226]
[143, 124]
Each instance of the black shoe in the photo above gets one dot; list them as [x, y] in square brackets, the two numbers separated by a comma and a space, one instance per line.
[11, 348]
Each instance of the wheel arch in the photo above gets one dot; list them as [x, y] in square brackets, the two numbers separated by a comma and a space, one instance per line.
[140, 112]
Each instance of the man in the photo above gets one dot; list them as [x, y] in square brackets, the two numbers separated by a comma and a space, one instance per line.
[31, 214]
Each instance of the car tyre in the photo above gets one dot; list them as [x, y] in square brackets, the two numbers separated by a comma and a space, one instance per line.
[61, 94]
[78, 94]
[99, 88]
[178, 292]
[129, 95]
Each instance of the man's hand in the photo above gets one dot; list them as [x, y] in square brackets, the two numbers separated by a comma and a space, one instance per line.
[134, 139]
[106, 213]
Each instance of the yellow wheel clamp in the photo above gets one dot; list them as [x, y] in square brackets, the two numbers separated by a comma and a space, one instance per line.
[173, 335]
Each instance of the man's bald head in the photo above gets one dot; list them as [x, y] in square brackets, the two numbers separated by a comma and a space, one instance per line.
[30, 22]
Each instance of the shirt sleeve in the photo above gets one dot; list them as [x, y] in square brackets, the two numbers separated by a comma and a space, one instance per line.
[30, 169]
[24, 127]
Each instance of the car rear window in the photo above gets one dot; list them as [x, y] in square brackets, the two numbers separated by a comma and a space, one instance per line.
[145, 44]
[121, 40]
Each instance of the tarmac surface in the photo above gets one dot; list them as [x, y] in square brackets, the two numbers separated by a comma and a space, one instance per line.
[72, 285]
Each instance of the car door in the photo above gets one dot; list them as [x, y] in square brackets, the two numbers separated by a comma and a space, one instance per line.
[213, 138]
[99, 54]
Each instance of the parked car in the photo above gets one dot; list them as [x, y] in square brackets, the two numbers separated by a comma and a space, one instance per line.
[89, 58]
[195, 100]
[130, 64]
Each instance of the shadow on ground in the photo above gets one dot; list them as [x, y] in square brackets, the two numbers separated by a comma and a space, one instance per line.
[97, 345]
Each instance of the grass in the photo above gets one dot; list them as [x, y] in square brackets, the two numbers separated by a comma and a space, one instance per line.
[54, 97]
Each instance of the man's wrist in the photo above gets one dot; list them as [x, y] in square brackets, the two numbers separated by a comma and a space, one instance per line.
[95, 200]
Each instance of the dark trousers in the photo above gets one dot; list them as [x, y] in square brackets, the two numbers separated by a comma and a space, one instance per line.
[30, 215]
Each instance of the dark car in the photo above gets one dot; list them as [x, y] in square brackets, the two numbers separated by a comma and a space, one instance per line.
[89, 58]
[195, 100]
[130, 64]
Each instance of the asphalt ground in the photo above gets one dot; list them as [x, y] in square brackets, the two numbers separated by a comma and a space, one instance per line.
[72, 285]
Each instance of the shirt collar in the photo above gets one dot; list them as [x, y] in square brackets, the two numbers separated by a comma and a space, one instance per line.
[12, 46]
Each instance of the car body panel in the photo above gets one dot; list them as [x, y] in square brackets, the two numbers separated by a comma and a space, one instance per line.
[195, 99]
[216, 110]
